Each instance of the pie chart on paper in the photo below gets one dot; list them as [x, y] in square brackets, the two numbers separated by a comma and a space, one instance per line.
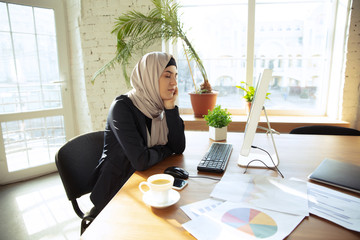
[250, 221]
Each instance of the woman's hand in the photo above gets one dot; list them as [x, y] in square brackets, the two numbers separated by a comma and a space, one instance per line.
[170, 103]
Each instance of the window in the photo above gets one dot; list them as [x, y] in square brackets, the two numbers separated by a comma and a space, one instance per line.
[28, 71]
[33, 102]
[293, 38]
[29, 62]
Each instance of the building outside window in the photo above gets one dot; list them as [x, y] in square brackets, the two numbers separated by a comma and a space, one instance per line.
[293, 38]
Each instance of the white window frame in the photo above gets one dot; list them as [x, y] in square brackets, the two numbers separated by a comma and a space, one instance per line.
[332, 99]
[66, 111]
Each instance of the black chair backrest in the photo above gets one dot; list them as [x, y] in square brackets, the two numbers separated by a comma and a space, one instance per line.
[76, 161]
[325, 130]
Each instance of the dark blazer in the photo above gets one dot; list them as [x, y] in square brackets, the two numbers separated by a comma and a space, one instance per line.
[125, 148]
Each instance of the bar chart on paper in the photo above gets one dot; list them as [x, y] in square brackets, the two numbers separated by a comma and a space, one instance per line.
[250, 221]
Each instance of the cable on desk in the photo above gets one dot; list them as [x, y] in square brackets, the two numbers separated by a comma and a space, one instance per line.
[272, 168]
[212, 178]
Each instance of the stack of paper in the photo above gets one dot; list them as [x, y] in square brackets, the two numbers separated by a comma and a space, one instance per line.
[258, 207]
[249, 207]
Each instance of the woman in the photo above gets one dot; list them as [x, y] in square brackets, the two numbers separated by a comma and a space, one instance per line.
[143, 127]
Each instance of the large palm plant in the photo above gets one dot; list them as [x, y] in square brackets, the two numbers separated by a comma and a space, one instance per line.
[136, 31]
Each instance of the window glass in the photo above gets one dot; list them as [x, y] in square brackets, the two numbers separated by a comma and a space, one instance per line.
[29, 65]
[291, 38]
[21, 18]
[44, 21]
[29, 87]
[4, 23]
[32, 142]
[218, 33]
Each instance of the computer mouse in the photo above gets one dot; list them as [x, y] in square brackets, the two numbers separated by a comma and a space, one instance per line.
[177, 172]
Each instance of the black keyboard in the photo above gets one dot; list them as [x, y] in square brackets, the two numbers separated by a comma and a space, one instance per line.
[216, 159]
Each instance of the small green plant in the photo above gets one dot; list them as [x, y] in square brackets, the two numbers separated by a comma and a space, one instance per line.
[249, 92]
[218, 117]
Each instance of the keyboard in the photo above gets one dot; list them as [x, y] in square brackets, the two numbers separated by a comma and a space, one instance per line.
[216, 159]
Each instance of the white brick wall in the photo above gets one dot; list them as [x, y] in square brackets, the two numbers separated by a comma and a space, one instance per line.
[92, 45]
[351, 93]
[90, 23]
[81, 108]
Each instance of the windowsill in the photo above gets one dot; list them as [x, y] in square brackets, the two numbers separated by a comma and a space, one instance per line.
[283, 124]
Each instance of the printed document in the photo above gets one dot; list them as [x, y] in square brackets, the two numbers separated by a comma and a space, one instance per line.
[340, 208]
[242, 221]
[283, 195]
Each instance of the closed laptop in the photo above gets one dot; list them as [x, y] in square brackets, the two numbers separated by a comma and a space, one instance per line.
[337, 173]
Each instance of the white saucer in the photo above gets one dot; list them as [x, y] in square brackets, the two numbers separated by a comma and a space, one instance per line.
[174, 197]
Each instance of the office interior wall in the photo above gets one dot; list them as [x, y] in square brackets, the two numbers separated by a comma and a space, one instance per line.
[81, 107]
[351, 93]
[92, 45]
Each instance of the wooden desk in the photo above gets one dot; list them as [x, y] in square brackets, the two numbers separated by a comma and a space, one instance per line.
[127, 217]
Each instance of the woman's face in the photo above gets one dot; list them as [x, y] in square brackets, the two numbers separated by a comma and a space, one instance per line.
[168, 83]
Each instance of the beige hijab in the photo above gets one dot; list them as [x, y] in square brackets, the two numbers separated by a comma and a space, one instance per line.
[146, 94]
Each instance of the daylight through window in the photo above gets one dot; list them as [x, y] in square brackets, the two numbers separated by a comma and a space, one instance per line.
[293, 38]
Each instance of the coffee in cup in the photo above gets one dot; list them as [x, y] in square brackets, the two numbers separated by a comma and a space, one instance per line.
[159, 186]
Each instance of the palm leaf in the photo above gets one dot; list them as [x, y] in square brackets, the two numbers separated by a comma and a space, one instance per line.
[136, 31]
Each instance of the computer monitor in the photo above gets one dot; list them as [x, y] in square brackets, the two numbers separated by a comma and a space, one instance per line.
[247, 153]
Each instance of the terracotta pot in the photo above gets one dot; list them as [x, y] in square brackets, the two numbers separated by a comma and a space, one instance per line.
[247, 107]
[201, 103]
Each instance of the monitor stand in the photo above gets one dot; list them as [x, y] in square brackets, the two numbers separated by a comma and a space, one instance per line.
[260, 158]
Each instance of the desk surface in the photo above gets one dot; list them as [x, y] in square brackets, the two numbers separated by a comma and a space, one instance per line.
[127, 217]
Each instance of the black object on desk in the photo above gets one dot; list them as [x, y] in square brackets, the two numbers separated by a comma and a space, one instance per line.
[216, 159]
[339, 174]
[177, 172]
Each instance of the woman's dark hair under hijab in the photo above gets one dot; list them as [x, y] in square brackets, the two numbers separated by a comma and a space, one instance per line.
[172, 62]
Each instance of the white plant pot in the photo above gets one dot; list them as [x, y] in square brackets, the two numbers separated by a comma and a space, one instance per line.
[218, 134]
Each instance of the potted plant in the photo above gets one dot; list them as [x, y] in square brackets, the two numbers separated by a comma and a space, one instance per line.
[218, 119]
[136, 31]
[249, 94]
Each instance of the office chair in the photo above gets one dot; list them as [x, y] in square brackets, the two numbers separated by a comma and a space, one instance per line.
[325, 130]
[76, 161]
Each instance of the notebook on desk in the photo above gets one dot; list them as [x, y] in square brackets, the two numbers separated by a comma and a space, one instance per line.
[339, 174]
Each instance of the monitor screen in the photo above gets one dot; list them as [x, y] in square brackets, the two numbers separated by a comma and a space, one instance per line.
[254, 117]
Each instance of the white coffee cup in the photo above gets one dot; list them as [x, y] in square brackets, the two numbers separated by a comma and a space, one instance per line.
[159, 187]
